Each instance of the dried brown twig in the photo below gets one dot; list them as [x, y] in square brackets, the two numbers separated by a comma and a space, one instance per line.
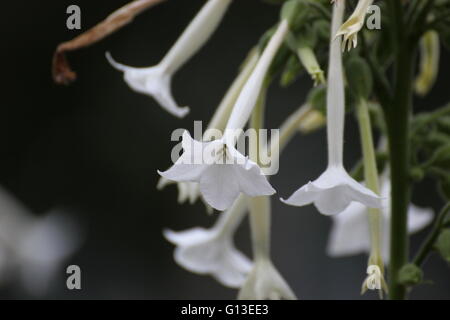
[61, 71]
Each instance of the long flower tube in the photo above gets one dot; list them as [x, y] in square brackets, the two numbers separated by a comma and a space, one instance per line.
[334, 190]
[375, 268]
[222, 171]
[156, 81]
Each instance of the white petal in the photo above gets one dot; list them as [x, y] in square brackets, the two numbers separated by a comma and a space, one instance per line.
[154, 82]
[187, 237]
[418, 218]
[219, 186]
[333, 201]
[265, 282]
[163, 182]
[350, 232]
[333, 191]
[208, 252]
[302, 196]
[252, 181]
[189, 167]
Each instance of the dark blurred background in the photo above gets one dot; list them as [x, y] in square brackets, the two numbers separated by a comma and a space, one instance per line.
[94, 147]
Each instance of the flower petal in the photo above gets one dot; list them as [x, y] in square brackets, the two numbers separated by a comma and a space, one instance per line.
[219, 186]
[209, 252]
[349, 233]
[152, 81]
[419, 218]
[333, 191]
[265, 282]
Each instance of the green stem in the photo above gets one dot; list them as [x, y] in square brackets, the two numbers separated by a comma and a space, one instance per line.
[428, 244]
[398, 115]
[371, 179]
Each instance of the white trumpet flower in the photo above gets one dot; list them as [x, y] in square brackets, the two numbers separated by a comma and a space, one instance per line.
[223, 176]
[212, 251]
[334, 190]
[350, 231]
[156, 81]
[190, 190]
[222, 171]
[349, 30]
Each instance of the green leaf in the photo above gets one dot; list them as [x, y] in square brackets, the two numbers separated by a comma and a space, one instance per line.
[410, 275]
[443, 244]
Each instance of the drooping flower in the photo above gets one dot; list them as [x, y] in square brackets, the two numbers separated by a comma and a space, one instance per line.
[190, 190]
[222, 171]
[156, 81]
[350, 230]
[334, 190]
[349, 30]
[223, 176]
[211, 251]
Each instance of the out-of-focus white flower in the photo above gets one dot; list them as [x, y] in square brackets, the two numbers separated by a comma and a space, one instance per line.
[222, 171]
[211, 251]
[264, 282]
[334, 190]
[156, 81]
[350, 230]
[349, 30]
[33, 249]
